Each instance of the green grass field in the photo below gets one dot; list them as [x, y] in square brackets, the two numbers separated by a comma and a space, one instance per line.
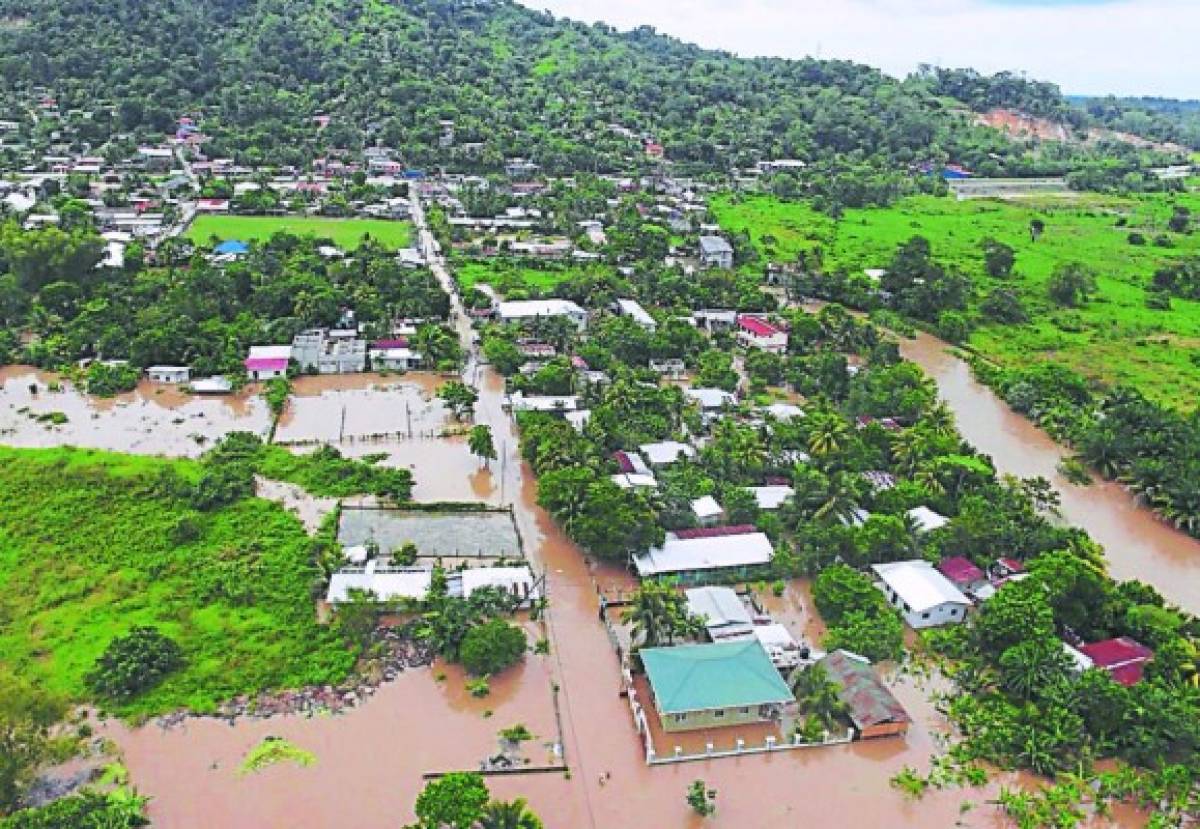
[345, 233]
[509, 277]
[1119, 339]
[89, 547]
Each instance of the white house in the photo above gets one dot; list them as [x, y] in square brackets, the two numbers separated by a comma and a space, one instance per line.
[927, 520]
[715, 252]
[634, 480]
[713, 320]
[530, 310]
[771, 497]
[725, 615]
[710, 399]
[921, 593]
[707, 511]
[754, 331]
[632, 309]
[516, 581]
[386, 356]
[666, 452]
[784, 411]
[328, 351]
[519, 402]
[217, 384]
[175, 375]
[386, 583]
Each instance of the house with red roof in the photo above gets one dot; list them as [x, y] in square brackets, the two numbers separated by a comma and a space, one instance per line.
[962, 573]
[1123, 658]
[266, 362]
[754, 331]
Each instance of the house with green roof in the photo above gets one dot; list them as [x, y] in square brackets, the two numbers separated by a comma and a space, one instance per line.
[714, 685]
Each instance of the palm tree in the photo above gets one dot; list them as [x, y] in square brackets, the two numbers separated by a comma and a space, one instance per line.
[841, 500]
[511, 814]
[940, 421]
[818, 695]
[910, 448]
[829, 434]
[658, 614]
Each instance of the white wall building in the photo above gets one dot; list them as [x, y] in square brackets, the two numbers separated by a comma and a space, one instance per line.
[700, 558]
[174, 375]
[386, 583]
[633, 309]
[924, 596]
[530, 310]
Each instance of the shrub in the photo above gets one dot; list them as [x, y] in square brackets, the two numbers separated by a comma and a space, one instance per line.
[492, 646]
[134, 663]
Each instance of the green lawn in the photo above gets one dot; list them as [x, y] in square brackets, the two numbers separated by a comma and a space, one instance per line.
[345, 233]
[90, 547]
[1119, 338]
[511, 278]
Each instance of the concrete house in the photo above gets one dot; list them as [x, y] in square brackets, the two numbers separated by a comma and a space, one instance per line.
[754, 331]
[707, 511]
[328, 351]
[714, 320]
[924, 596]
[713, 685]
[526, 311]
[266, 362]
[715, 252]
[633, 309]
[393, 355]
[174, 375]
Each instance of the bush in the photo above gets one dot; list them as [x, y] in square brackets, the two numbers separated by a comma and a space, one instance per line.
[1136, 239]
[492, 646]
[134, 663]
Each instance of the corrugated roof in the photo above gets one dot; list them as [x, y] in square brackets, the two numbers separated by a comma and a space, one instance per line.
[706, 677]
[920, 585]
[682, 555]
[717, 606]
[867, 700]
[960, 570]
[715, 532]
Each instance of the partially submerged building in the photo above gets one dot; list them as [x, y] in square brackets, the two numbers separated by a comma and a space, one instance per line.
[531, 310]
[713, 685]
[266, 362]
[871, 707]
[708, 555]
[329, 351]
[924, 596]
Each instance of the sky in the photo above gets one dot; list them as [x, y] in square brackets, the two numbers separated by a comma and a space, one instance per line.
[1087, 47]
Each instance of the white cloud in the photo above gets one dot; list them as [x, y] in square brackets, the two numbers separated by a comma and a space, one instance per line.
[1124, 46]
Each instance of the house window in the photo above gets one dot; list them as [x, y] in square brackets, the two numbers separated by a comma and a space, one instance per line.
[720, 712]
[680, 717]
[744, 711]
[907, 609]
[925, 615]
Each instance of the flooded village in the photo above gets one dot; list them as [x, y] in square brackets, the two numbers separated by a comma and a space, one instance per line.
[590, 501]
[618, 730]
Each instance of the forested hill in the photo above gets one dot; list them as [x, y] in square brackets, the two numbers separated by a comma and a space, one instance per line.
[519, 82]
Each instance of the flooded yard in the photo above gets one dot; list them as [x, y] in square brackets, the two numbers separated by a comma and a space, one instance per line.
[153, 419]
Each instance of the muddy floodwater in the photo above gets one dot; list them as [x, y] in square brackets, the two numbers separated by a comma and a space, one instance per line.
[154, 419]
[371, 761]
[1137, 544]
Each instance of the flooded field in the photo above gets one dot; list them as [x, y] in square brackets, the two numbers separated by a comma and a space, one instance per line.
[153, 419]
[359, 408]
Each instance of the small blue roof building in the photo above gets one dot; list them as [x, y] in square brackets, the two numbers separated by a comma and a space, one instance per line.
[232, 247]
